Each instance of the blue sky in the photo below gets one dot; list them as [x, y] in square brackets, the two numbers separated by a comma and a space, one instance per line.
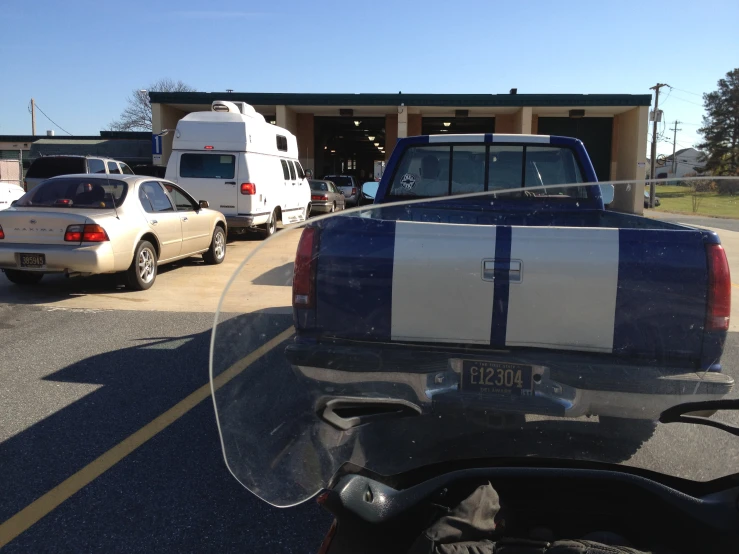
[79, 59]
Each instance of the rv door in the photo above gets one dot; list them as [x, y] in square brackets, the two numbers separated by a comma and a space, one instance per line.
[211, 176]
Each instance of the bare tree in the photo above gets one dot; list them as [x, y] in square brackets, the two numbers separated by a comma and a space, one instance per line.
[136, 116]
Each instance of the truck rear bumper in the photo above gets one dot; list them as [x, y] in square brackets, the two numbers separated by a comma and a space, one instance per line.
[568, 388]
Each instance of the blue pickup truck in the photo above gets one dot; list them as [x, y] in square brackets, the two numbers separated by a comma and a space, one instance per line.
[537, 301]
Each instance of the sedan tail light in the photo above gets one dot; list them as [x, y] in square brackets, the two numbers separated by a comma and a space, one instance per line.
[318, 197]
[85, 233]
[248, 188]
[354, 191]
[2, 233]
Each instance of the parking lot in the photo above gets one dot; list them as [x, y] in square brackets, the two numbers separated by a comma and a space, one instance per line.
[109, 440]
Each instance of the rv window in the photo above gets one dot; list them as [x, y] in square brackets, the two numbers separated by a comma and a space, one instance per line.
[207, 166]
[285, 170]
[301, 174]
[291, 166]
[281, 143]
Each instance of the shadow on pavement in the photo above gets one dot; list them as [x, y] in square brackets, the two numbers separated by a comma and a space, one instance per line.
[174, 493]
[277, 276]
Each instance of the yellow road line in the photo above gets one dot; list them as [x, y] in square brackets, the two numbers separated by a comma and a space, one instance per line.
[42, 506]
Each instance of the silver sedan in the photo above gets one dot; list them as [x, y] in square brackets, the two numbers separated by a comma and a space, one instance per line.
[88, 224]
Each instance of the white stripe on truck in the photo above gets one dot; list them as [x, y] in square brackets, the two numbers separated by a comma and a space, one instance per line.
[438, 291]
[567, 296]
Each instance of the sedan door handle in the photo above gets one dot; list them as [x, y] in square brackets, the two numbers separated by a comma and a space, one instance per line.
[153, 222]
[184, 219]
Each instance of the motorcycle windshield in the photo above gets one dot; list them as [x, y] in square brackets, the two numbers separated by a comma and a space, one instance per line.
[505, 325]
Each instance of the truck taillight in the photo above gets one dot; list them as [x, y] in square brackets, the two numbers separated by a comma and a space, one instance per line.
[318, 197]
[85, 233]
[248, 188]
[354, 192]
[305, 270]
[2, 233]
[719, 289]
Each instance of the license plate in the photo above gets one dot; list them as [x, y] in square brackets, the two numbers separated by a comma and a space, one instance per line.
[32, 260]
[496, 378]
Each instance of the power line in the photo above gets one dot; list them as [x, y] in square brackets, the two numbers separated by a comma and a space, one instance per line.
[688, 101]
[686, 91]
[54, 122]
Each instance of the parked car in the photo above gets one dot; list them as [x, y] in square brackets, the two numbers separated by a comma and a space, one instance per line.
[646, 198]
[325, 197]
[245, 167]
[449, 291]
[348, 185]
[90, 224]
[8, 193]
[51, 166]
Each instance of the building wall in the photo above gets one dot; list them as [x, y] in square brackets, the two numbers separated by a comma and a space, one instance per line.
[505, 124]
[306, 139]
[414, 124]
[391, 134]
[630, 149]
[287, 119]
[522, 121]
[165, 117]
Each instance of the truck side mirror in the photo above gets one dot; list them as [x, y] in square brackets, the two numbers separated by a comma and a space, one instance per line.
[370, 190]
[606, 193]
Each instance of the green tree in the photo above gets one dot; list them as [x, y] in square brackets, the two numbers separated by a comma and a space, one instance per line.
[136, 116]
[721, 126]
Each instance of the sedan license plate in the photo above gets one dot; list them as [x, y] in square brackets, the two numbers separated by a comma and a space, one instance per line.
[496, 378]
[32, 260]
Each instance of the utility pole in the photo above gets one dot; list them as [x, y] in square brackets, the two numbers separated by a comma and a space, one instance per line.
[655, 88]
[674, 142]
[33, 117]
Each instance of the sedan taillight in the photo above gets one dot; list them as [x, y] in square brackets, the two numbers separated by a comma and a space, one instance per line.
[85, 233]
[319, 197]
[2, 233]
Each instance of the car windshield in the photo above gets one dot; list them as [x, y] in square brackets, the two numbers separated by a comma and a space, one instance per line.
[318, 185]
[415, 333]
[76, 192]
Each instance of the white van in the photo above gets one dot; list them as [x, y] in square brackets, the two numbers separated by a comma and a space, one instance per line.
[244, 167]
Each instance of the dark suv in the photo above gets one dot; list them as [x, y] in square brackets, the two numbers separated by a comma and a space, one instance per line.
[46, 167]
[347, 185]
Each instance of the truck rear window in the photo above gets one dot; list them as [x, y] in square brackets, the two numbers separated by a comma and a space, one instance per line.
[431, 171]
[43, 168]
[208, 166]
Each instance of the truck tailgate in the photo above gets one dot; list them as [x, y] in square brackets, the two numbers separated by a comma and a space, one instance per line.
[636, 292]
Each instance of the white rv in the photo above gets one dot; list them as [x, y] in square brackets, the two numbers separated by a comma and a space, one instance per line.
[244, 167]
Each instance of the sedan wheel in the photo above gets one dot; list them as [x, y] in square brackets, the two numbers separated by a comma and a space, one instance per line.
[143, 270]
[217, 251]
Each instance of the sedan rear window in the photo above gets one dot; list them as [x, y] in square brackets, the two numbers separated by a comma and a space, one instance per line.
[318, 185]
[208, 166]
[76, 193]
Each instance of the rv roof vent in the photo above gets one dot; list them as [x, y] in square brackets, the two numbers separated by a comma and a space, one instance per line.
[226, 107]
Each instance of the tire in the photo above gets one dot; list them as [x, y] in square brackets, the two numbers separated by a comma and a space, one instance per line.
[143, 271]
[270, 228]
[217, 251]
[632, 430]
[333, 208]
[20, 277]
[308, 211]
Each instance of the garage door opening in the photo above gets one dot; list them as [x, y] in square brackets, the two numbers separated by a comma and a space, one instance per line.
[349, 145]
